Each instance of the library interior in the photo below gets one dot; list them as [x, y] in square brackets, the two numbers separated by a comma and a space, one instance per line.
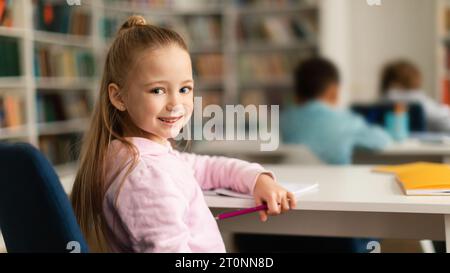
[344, 102]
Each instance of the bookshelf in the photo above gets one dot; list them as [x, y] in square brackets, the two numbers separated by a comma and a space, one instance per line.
[242, 52]
[52, 41]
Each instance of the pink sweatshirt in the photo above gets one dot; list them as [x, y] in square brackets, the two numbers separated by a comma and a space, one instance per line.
[160, 206]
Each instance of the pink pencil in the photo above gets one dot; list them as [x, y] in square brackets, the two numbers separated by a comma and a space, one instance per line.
[240, 212]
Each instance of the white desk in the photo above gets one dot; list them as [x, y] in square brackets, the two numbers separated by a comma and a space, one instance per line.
[351, 202]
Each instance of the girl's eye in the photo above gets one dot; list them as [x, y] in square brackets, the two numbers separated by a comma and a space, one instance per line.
[157, 91]
[185, 90]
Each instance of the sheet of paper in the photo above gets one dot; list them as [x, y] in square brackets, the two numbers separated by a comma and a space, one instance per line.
[297, 188]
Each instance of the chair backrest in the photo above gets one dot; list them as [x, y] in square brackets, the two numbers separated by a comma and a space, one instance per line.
[35, 212]
[375, 114]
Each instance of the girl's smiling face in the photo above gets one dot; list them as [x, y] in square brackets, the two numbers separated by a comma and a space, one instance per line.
[158, 96]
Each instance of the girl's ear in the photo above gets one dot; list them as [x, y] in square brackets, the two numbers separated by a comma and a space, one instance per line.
[115, 97]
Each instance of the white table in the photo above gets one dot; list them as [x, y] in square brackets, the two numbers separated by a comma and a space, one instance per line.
[407, 151]
[350, 202]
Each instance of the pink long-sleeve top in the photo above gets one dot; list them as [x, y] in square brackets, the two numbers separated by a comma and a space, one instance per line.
[160, 205]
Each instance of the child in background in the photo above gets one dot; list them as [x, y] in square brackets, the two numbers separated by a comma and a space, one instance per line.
[401, 81]
[133, 192]
[329, 133]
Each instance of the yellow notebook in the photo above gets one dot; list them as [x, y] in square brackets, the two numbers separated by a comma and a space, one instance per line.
[421, 178]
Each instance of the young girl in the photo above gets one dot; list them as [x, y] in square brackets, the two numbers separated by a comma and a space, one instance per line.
[133, 192]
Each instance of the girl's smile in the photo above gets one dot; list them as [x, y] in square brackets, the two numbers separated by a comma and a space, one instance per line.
[170, 120]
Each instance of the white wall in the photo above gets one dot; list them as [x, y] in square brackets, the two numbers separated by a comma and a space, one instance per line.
[377, 34]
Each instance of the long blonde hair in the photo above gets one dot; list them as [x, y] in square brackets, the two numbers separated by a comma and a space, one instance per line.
[108, 124]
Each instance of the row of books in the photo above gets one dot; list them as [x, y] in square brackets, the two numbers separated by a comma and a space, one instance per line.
[278, 29]
[60, 61]
[271, 67]
[273, 3]
[208, 66]
[11, 107]
[203, 3]
[161, 3]
[60, 149]
[58, 106]
[58, 16]
[9, 57]
[202, 30]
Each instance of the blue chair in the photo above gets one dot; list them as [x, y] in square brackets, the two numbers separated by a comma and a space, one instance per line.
[35, 212]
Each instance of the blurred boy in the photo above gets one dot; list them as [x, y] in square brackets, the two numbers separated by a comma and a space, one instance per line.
[315, 122]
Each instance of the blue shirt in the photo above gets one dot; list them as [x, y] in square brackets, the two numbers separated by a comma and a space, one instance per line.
[329, 133]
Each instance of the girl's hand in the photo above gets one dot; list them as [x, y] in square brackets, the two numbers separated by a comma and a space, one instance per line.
[278, 199]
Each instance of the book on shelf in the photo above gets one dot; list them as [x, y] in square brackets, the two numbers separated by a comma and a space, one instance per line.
[447, 20]
[9, 57]
[203, 30]
[272, 68]
[11, 114]
[64, 62]
[59, 17]
[208, 66]
[446, 91]
[58, 107]
[60, 149]
[7, 10]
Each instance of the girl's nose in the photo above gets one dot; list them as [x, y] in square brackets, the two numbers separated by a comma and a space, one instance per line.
[173, 103]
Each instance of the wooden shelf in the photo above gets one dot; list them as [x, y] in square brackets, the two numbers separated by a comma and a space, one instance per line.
[263, 11]
[65, 83]
[261, 46]
[202, 83]
[281, 82]
[62, 39]
[12, 32]
[13, 132]
[63, 127]
[147, 10]
[12, 82]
